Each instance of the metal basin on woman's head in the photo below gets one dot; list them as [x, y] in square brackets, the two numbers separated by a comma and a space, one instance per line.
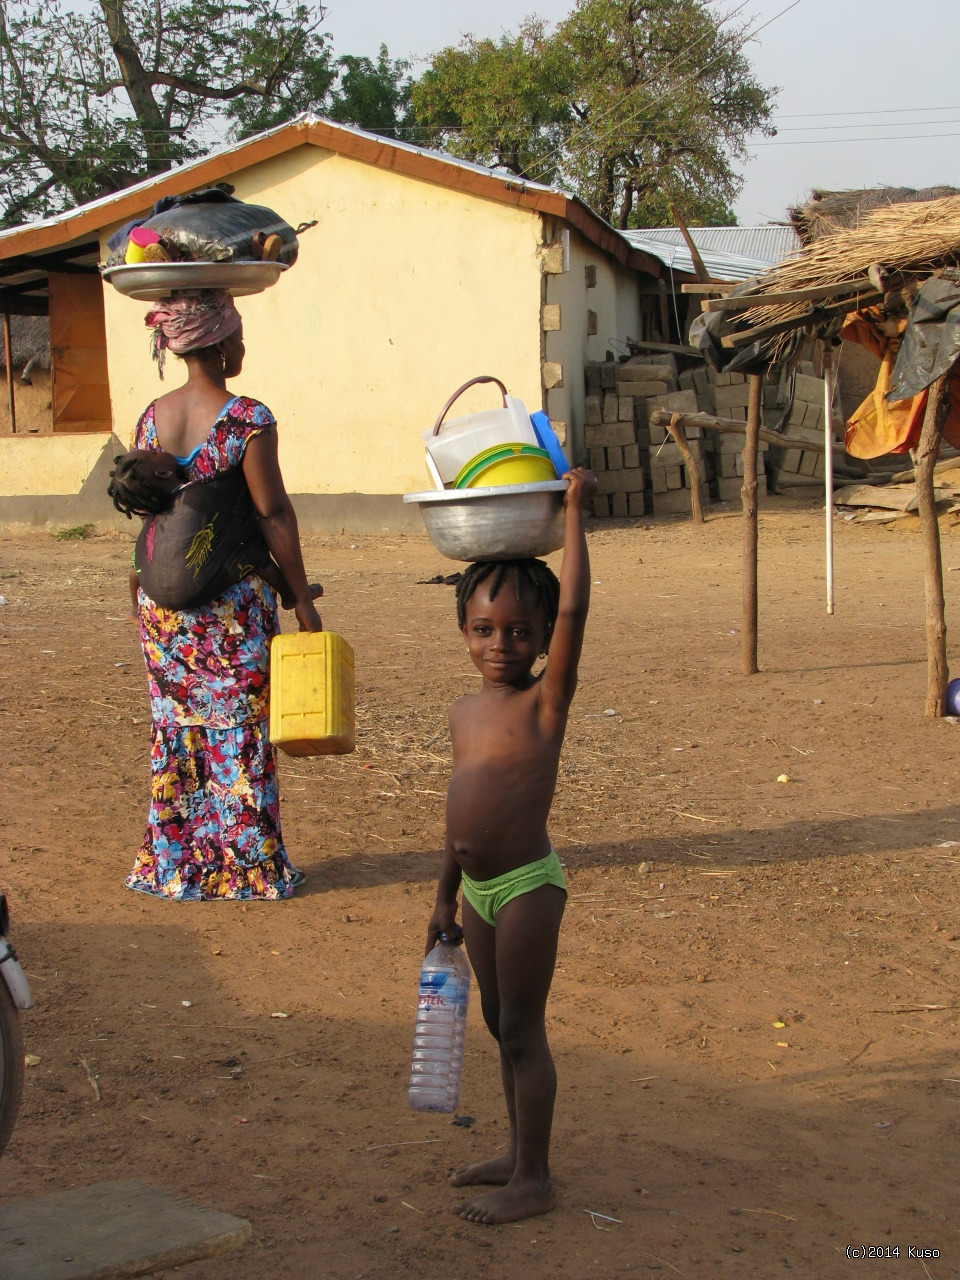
[508, 522]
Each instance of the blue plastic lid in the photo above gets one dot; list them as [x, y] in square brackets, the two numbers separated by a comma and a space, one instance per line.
[548, 440]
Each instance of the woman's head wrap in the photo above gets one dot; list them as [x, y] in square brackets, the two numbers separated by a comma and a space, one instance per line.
[190, 321]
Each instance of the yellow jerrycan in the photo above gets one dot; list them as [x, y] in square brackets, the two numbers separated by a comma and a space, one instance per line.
[311, 694]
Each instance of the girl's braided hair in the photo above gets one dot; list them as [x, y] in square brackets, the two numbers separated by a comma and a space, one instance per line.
[532, 576]
[133, 484]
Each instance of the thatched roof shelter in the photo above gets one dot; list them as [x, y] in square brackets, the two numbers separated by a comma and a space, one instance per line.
[894, 245]
[827, 212]
[30, 340]
[899, 256]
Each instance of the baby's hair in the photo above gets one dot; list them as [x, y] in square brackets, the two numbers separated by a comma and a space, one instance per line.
[133, 484]
[530, 575]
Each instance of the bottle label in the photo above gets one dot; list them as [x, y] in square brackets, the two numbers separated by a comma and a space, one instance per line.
[446, 991]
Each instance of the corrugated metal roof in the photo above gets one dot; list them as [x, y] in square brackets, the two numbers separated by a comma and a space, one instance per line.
[728, 253]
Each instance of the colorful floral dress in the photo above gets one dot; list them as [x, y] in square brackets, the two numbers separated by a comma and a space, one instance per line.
[214, 824]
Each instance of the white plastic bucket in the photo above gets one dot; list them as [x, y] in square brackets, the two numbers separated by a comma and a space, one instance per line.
[453, 444]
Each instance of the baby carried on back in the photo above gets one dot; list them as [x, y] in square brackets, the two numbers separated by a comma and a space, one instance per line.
[199, 537]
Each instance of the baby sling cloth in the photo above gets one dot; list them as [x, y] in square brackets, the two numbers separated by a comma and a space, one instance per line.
[207, 540]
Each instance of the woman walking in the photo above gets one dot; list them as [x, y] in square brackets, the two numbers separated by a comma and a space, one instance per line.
[214, 824]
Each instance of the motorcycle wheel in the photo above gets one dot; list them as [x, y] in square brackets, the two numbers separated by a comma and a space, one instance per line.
[11, 1064]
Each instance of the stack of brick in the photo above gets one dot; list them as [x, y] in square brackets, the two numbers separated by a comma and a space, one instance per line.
[727, 395]
[639, 468]
[618, 452]
[804, 422]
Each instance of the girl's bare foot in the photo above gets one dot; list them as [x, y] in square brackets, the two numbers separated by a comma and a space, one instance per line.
[496, 1172]
[510, 1204]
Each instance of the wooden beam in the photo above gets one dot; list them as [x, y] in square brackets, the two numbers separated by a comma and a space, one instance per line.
[715, 286]
[703, 275]
[8, 357]
[814, 316]
[45, 262]
[706, 422]
[816, 293]
[24, 305]
[676, 347]
[948, 464]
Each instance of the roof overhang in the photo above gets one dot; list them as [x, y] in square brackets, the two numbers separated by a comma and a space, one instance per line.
[70, 240]
[24, 277]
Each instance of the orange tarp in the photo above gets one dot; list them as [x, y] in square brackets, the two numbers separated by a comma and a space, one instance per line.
[882, 426]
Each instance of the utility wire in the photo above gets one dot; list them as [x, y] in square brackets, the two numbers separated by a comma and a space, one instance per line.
[877, 111]
[829, 142]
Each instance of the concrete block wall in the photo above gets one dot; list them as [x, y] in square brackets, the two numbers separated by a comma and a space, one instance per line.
[727, 395]
[640, 469]
[804, 422]
[618, 449]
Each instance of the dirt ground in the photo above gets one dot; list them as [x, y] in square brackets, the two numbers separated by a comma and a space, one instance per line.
[755, 1011]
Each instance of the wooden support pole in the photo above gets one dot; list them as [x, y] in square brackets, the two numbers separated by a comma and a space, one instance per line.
[926, 456]
[703, 275]
[828, 470]
[748, 639]
[8, 357]
[675, 427]
[664, 311]
[706, 422]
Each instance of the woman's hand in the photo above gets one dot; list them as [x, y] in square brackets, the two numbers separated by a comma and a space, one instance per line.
[307, 616]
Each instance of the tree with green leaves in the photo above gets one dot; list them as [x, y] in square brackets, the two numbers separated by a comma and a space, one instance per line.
[374, 95]
[95, 98]
[630, 103]
[498, 102]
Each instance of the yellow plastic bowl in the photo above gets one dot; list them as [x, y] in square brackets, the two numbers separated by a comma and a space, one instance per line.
[520, 469]
[486, 456]
[510, 464]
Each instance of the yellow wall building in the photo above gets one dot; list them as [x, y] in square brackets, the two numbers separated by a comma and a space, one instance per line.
[420, 273]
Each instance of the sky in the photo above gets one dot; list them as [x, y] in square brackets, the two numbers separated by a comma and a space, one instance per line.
[868, 89]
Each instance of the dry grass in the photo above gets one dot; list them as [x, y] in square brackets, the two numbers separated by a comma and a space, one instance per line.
[910, 240]
[831, 211]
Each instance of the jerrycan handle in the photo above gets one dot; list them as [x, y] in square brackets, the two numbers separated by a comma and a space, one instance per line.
[484, 377]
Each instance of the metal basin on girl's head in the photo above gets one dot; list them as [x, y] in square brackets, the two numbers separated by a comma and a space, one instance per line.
[508, 522]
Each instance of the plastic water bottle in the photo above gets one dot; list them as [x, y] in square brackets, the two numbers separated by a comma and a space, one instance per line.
[441, 1027]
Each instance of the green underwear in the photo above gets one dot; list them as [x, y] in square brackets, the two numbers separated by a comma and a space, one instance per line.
[488, 896]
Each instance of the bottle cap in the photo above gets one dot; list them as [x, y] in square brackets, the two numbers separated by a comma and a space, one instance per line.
[452, 937]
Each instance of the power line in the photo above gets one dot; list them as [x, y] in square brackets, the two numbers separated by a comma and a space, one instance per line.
[829, 142]
[882, 124]
[878, 111]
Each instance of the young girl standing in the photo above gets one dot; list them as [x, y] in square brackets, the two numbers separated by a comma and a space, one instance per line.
[506, 752]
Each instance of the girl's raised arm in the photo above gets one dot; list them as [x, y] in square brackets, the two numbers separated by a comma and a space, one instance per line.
[560, 676]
